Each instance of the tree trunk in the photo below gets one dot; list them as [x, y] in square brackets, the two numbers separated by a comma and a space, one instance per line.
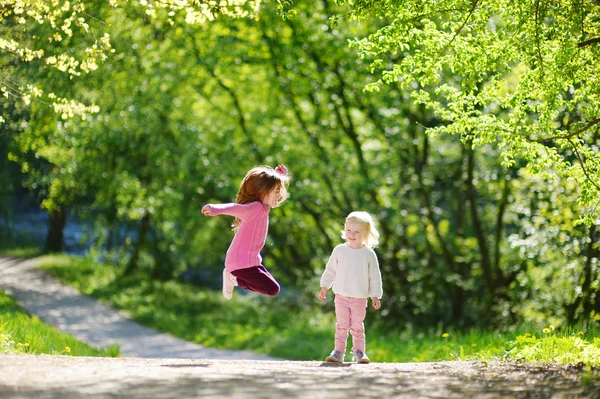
[57, 219]
[590, 293]
[486, 264]
[133, 262]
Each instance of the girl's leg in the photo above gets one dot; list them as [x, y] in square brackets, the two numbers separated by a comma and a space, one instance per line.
[257, 279]
[358, 311]
[342, 316]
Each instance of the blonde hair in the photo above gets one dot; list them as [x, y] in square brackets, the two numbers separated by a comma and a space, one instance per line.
[372, 238]
[258, 182]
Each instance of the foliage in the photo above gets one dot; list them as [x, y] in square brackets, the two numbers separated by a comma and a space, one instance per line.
[22, 333]
[32, 32]
[519, 74]
[575, 348]
[251, 322]
[184, 112]
[35, 32]
[22, 252]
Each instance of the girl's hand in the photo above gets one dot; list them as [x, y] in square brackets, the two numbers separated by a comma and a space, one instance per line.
[323, 294]
[375, 302]
[206, 210]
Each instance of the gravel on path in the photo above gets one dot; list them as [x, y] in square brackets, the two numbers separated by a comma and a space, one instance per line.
[65, 377]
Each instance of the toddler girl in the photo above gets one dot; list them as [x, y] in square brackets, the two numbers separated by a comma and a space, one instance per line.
[353, 271]
[263, 188]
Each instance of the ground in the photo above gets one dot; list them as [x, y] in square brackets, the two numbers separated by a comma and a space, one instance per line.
[42, 376]
[158, 365]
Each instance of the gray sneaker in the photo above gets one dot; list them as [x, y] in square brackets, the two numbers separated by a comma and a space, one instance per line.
[361, 357]
[335, 356]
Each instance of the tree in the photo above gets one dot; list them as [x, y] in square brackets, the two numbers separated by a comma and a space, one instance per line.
[184, 112]
[47, 48]
[32, 32]
[524, 77]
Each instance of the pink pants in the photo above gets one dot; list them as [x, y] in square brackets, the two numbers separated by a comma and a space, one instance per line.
[350, 314]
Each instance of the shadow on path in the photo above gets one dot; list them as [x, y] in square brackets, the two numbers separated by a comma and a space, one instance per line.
[72, 377]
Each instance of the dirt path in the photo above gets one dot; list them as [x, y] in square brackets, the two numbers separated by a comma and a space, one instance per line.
[162, 366]
[30, 376]
[93, 322]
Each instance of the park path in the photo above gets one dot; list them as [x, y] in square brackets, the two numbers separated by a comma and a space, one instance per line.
[157, 365]
[66, 377]
[93, 322]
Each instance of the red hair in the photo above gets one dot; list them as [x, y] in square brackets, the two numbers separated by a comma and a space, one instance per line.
[259, 182]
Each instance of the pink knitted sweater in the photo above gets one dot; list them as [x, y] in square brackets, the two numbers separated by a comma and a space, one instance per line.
[251, 236]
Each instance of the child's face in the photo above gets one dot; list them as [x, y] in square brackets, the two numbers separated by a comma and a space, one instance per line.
[356, 233]
[272, 198]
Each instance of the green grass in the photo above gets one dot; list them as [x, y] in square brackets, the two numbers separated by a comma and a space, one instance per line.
[570, 346]
[284, 329]
[18, 243]
[22, 333]
[264, 325]
[23, 252]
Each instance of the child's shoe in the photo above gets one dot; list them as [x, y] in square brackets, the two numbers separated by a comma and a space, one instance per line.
[361, 357]
[335, 356]
[229, 281]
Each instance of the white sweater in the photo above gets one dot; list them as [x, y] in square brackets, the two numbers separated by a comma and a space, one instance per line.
[353, 272]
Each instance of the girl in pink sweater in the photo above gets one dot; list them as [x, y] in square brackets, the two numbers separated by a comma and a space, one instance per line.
[263, 188]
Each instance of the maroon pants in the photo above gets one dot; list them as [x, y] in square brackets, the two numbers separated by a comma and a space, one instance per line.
[257, 279]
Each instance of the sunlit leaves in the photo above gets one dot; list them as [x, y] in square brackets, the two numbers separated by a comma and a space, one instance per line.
[33, 33]
[202, 11]
[42, 32]
[488, 46]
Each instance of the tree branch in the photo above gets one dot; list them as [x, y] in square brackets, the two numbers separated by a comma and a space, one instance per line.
[462, 26]
[313, 136]
[254, 148]
[588, 42]
[583, 165]
[570, 135]
[537, 35]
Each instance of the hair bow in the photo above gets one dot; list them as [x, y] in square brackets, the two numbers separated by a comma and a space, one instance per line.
[281, 169]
